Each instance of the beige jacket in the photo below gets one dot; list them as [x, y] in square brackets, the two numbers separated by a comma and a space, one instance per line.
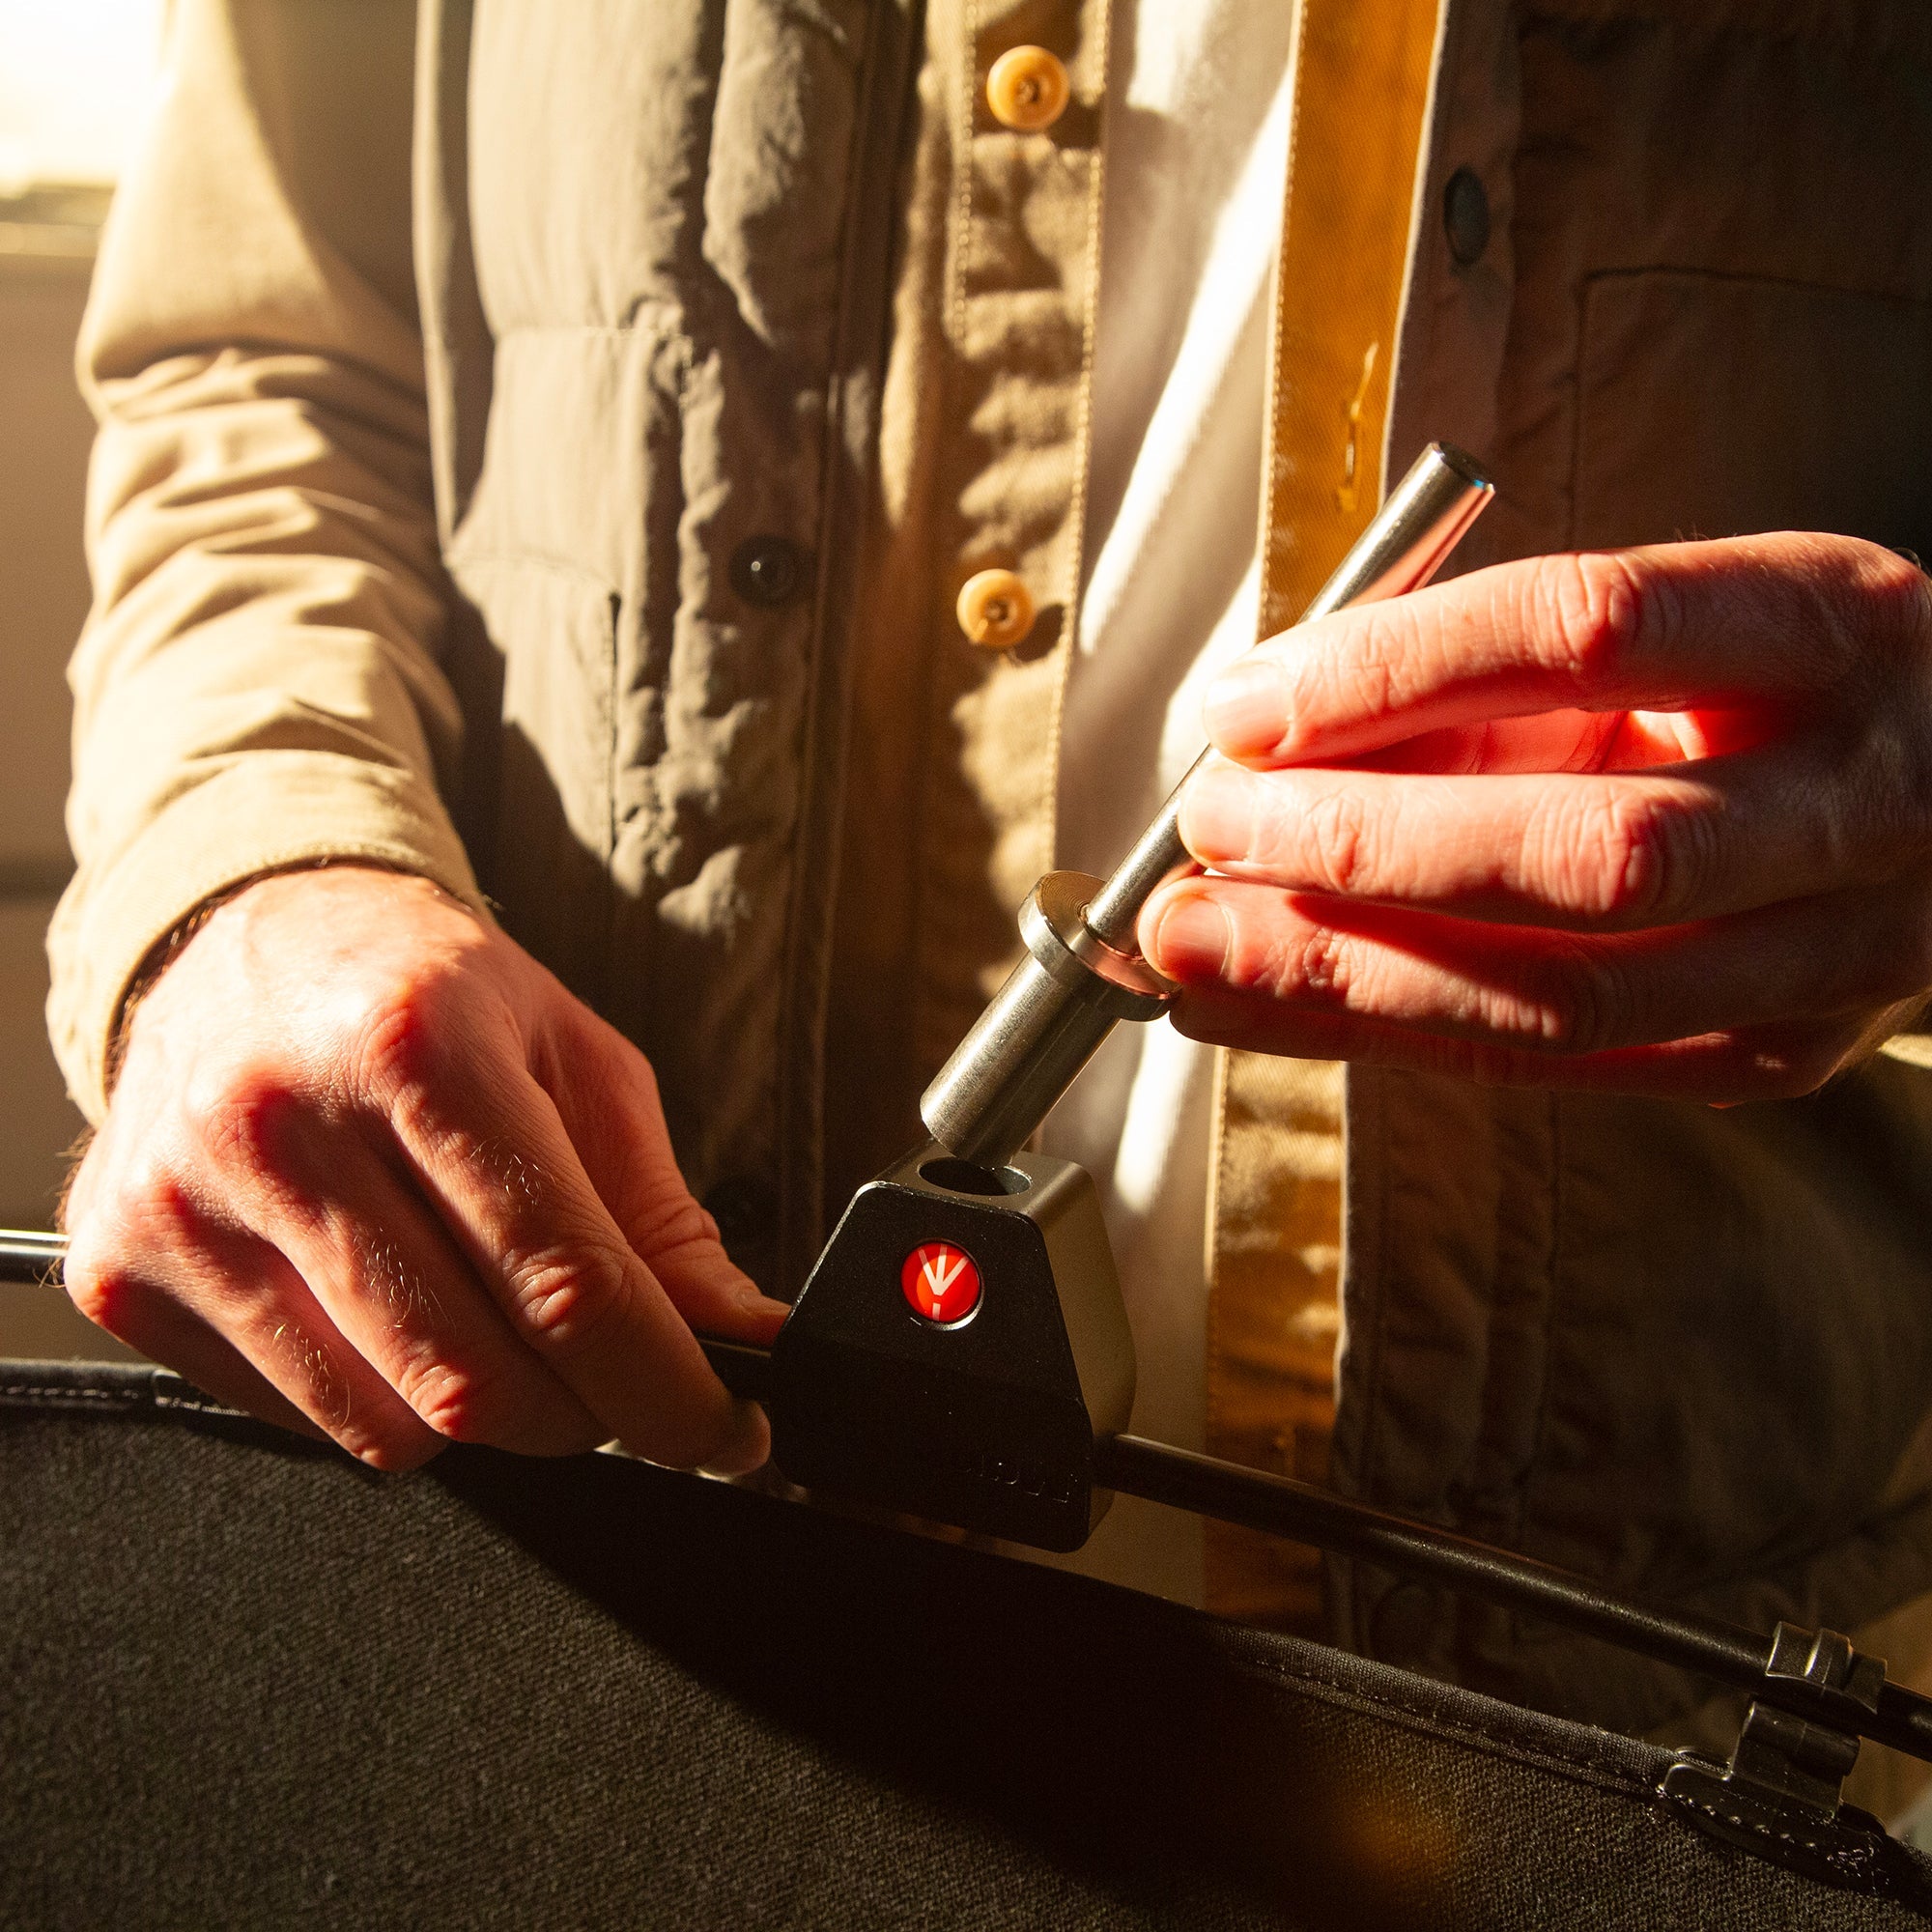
[553, 474]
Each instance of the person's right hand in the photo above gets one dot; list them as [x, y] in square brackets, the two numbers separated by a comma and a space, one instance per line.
[370, 1170]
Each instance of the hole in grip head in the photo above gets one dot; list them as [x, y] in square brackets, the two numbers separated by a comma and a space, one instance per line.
[1042, 1028]
[985, 1424]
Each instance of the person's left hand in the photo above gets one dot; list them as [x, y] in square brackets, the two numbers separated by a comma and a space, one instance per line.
[1659, 822]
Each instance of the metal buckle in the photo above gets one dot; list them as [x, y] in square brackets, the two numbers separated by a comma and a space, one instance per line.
[1780, 1796]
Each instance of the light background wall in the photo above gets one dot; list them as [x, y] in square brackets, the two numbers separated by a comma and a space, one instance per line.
[45, 430]
[76, 81]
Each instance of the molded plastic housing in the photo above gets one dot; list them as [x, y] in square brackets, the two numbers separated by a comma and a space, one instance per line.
[987, 1424]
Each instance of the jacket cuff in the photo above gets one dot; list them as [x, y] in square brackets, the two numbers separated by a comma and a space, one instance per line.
[264, 811]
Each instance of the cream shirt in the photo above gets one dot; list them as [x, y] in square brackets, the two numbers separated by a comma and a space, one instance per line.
[1196, 153]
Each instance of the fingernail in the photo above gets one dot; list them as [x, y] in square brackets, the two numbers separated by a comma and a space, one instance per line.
[1244, 713]
[764, 1315]
[1191, 942]
[1217, 816]
[748, 1445]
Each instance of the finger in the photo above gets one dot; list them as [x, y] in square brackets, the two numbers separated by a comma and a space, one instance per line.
[606, 1096]
[1663, 628]
[154, 1324]
[246, 1296]
[1600, 852]
[489, 1149]
[1535, 991]
[1781, 1063]
[387, 1275]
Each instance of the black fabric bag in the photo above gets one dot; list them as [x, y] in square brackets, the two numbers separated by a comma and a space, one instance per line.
[247, 1684]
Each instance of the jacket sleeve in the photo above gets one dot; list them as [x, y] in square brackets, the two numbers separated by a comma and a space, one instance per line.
[257, 684]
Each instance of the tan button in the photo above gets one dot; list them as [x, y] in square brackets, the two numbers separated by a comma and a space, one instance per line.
[995, 608]
[1027, 89]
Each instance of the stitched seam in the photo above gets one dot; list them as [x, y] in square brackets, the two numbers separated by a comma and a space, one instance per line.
[962, 246]
[1434, 1719]
[56, 1392]
[1217, 1155]
[1425, 296]
[1378, 1287]
[1848, 1861]
[1083, 428]
[81, 1396]
[802, 1021]
[1277, 344]
[1552, 1274]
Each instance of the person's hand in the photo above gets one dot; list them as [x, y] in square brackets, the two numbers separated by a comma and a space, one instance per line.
[1658, 822]
[369, 1170]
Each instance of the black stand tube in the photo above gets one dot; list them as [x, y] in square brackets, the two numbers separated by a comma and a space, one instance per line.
[1304, 1514]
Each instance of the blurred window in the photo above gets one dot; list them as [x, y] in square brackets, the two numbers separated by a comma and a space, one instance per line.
[76, 77]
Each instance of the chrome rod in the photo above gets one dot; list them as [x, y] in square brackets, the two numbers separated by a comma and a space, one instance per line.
[30, 1255]
[1046, 1023]
[1426, 517]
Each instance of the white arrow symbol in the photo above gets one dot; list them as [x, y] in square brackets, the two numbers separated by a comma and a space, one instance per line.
[938, 1284]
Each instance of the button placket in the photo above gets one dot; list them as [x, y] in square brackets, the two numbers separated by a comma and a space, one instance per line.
[1010, 478]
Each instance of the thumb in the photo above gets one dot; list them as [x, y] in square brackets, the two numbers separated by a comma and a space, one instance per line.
[607, 1096]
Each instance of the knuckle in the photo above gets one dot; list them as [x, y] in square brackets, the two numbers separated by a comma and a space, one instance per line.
[1339, 841]
[1892, 596]
[398, 1047]
[108, 1271]
[1316, 961]
[1858, 611]
[1641, 858]
[669, 1221]
[240, 1117]
[1595, 605]
[1577, 1001]
[1633, 862]
[450, 1401]
[156, 1200]
[102, 1284]
[562, 1299]
[1375, 688]
[1363, 685]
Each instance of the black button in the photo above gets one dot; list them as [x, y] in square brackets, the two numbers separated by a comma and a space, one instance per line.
[1465, 215]
[767, 570]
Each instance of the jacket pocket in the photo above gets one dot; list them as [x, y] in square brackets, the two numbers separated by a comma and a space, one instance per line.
[1712, 405]
[554, 627]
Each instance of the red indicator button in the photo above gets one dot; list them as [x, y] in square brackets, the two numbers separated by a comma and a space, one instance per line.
[940, 1282]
